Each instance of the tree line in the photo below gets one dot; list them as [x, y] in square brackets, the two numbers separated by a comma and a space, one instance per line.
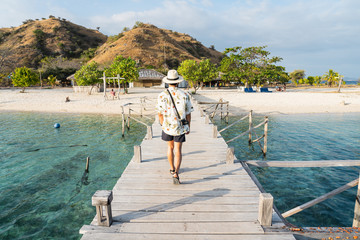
[250, 66]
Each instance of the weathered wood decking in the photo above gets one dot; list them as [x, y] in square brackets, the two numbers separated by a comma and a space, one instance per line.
[215, 200]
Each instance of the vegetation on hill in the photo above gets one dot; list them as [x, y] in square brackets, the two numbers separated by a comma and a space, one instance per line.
[55, 48]
[35, 40]
[153, 47]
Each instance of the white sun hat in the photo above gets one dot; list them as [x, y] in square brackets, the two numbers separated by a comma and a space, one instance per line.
[172, 77]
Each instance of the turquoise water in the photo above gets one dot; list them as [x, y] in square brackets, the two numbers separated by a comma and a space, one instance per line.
[44, 192]
[306, 137]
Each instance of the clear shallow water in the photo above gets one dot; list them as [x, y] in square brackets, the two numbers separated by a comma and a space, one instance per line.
[306, 137]
[44, 193]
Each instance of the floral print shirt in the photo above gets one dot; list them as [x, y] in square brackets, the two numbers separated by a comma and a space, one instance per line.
[171, 124]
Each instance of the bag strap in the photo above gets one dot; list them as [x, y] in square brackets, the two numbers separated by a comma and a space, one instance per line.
[174, 104]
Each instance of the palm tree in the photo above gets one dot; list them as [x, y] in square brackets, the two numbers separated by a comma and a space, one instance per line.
[331, 77]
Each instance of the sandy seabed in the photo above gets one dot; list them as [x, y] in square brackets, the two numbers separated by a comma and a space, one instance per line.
[289, 102]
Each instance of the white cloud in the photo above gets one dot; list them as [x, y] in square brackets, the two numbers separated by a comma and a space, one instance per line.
[303, 32]
[172, 14]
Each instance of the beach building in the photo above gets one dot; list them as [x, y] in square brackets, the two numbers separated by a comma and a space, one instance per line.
[148, 78]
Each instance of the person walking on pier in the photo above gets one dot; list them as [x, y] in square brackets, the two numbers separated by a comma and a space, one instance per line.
[174, 110]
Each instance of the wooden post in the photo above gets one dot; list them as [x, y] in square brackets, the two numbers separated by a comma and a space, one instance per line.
[250, 127]
[340, 82]
[265, 134]
[141, 107]
[266, 202]
[149, 133]
[356, 221]
[207, 120]
[230, 155]
[119, 89]
[123, 122]
[215, 131]
[221, 109]
[104, 78]
[102, 199]
[128, 119]
[87, 164]
[227, 114]
[137, 154]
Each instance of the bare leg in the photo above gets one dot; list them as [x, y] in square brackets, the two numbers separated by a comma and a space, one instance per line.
[178, 156]
[170, 154]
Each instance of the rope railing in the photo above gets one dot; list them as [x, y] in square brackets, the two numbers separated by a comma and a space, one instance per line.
[126, 120]
[216, 110]
[140, 114]
[321, 198]
[356, 220]
[251, 130]
[241, 119]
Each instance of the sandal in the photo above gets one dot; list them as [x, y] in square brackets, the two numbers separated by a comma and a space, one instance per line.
[176, 179]
[172, 172]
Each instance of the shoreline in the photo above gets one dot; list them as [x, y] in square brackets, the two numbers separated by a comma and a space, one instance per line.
[293, 101]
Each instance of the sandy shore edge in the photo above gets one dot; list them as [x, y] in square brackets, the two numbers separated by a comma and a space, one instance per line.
[290, 102]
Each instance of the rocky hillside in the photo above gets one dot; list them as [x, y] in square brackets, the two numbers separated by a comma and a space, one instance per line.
[152, 46]
[36, 39]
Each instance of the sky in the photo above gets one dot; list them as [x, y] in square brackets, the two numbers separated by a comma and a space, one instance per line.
[313, 35]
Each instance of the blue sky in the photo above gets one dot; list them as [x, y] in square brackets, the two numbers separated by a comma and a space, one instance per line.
[314, 35]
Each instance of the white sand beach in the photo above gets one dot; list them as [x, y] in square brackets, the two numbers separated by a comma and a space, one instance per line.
[289, 102]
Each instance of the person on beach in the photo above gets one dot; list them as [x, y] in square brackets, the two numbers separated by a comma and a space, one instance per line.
[174, 106]
[112, 93]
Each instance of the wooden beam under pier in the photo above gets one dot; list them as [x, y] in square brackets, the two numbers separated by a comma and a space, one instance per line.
[292, 164]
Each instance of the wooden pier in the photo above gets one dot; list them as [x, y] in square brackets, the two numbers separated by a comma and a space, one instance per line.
[216, 200]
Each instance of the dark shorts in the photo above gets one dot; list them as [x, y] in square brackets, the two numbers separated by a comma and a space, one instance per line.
[166, 137]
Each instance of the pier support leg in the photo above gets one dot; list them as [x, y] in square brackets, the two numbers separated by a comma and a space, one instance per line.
[250, 127]
[356, 221]
[102, 200]
[265, 135]
[266, 202]
[128, 119]
[137, 154]
[123, 124]
[230, 157]
[215, 131]
[207, 119]
[149, 133]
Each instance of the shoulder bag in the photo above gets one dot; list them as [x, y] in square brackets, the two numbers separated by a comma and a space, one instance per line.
[182, 121]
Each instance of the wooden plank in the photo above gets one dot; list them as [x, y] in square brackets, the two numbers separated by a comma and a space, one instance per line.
[186, 192]
[213, 102]
[187, 200]
[139, 236]
[164, 174]
[189, 217]
[320, 163]
[181, 228]
[204, 186]
[178, 207]
[220, 180]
